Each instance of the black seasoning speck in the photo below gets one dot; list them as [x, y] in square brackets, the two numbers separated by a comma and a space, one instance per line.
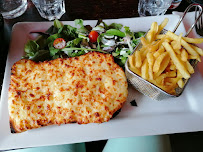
[133, 103]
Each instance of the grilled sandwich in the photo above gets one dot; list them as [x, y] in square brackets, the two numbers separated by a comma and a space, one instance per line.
[85, 89]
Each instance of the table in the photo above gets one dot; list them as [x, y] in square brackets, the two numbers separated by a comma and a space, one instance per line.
[90, 9]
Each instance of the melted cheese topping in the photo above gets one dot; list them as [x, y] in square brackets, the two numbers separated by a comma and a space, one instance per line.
[85, 89]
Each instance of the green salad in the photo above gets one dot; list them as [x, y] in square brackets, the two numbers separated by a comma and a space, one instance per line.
[64, 41]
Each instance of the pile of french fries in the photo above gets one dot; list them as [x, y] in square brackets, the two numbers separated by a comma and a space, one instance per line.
[164, 59]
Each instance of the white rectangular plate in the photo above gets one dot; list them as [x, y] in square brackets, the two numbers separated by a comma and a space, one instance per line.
[182, 114]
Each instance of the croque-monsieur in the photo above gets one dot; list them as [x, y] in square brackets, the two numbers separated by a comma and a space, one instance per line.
[85, 89]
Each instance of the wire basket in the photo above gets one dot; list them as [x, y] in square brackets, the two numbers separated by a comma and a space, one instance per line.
[146, 87]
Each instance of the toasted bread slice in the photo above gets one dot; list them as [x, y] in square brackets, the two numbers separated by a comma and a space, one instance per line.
[85, 89]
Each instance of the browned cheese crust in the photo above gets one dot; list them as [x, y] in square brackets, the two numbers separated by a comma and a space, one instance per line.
[85, 89]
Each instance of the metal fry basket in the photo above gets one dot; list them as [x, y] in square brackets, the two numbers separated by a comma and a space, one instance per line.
[146, 87]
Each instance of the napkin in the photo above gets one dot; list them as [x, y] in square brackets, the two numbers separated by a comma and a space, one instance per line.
[188, 21]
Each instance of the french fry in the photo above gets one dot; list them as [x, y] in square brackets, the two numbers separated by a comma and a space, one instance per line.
[177, 44]
[158, 61]
[167, 40]
[154, 47]
[150, 59]
[179, 75]
[163, 66]
[144, 70]
[138, 59]
[160, 79]
[171, 74]
[144, 41]
[131, 60]
[159, 51]
[143, 51]
[160, 36]
[154, 27]
[193, 40]
[132, 67]
[180, 83]
[176, 60]
[164, 59]
[149, 36]
[162, 25]
[171, 80]
[165, 88]
[171, 83]
[174, 46]
[198, 50]
[191, 57]
[172, 67]
[184, 55]
[153, 30]
[184, 44]
[135, 70]
[189, 67]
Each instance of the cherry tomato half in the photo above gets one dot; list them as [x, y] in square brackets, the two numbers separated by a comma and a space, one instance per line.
[59, 43]
[93, 35]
